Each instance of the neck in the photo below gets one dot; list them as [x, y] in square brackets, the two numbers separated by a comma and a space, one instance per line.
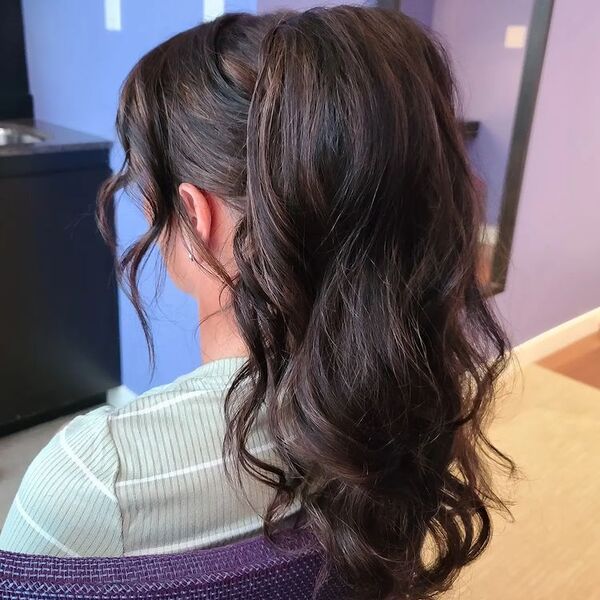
[220, 337]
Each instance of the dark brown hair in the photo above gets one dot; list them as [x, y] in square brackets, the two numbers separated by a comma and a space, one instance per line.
[334, 135]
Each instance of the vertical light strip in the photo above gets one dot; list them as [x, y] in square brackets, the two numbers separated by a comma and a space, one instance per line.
[213, 9]
[112, 15]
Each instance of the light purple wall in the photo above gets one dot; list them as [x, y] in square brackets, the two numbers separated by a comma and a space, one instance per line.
[555, 265]
[488, 75]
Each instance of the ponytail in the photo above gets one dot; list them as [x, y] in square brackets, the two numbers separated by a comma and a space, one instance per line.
[371, 346]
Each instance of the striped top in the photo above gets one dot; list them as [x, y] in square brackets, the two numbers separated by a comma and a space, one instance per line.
[147, 478]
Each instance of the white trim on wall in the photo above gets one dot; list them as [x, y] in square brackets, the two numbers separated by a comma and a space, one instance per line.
[558, 337]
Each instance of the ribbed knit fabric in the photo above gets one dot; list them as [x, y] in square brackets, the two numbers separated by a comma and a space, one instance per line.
[145, 479]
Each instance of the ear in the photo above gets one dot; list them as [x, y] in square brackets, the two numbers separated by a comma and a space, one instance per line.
[198, 207]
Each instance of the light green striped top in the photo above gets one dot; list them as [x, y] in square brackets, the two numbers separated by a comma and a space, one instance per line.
[146, 478]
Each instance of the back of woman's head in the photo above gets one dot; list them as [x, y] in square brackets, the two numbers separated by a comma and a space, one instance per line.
[332, 135]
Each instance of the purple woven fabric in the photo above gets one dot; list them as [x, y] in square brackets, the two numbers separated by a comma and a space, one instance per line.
[250, 570]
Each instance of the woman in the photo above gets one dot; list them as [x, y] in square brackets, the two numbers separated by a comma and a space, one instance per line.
[306, 181]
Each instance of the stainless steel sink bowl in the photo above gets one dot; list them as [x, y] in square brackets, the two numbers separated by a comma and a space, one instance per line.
[17, 135]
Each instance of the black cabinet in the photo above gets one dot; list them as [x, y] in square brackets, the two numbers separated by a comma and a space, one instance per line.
[59, 332]
[15, 100]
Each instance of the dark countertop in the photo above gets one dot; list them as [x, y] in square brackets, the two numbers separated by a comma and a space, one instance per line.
[53, 139]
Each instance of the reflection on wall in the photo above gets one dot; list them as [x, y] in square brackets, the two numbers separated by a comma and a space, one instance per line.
[488, 74]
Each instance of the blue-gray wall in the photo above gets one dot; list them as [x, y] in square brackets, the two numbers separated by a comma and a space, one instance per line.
[75, 69]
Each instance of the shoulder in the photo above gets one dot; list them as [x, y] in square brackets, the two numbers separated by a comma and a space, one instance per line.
[210, 381]
[66, 504]
[81, 451]
[172, 427]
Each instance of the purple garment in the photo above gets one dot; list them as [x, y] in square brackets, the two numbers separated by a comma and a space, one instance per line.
[249, 570]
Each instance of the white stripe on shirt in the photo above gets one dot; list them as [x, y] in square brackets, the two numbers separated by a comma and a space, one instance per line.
[191, 469]
[157, 406]
[40, 531]
[89, 475]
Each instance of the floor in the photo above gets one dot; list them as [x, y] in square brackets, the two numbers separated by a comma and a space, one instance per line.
[580, 361]
[550, 425]
[549, 422]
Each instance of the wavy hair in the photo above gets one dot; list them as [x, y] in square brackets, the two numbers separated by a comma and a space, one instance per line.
[333, 134]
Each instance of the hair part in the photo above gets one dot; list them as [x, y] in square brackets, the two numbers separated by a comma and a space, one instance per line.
[372, 349]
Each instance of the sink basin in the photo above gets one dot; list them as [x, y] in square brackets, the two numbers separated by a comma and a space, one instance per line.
[17, 135]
